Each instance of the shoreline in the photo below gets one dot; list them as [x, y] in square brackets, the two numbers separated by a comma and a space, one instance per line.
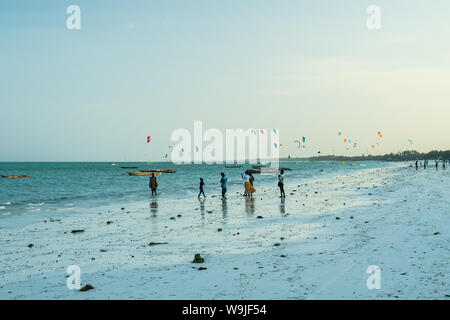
[319, 257]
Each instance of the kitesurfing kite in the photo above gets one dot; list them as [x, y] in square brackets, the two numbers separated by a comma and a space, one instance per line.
[149, 139]
[379, 133]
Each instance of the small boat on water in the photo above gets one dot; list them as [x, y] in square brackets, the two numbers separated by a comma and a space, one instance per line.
[15, 177]
[254, 171]
[233, 166]
[129, 167]
[144, 173]
[158, 170]
[285, 169]
[258, 167]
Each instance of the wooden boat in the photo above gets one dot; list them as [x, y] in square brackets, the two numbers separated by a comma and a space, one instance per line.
[144, 173]
[129, 167]
[233, 166]
[258, 167]
[14, 177]
[158, 170]
[254, 171]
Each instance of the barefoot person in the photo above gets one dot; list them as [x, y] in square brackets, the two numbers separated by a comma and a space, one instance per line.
[202, 183]
[281, 183]
[248, 188]
[153, 184]
[223, 185]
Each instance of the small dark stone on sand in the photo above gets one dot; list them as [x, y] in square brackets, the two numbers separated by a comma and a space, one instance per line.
[198, 258]
[202, 268]
[220, 229]
[436, 233]
[30, 245]
[337, 218]
[77, 231]
[259, 217]
[156, 243]
[108, 222]
[122, 208]
[87, 287]
[283, 256]
[277, 244]
[178, 215]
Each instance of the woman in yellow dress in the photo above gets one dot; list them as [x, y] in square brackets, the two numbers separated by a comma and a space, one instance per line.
[248, 188]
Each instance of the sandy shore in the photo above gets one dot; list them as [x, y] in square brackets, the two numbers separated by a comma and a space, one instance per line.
[315, 245]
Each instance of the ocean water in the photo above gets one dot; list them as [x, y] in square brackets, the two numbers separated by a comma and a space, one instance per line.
[65, 188]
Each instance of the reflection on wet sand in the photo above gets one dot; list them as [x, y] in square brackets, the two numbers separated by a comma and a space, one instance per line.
[202, 210]
[282, 206]
[224, 209]
[250, 205]
[154, 208]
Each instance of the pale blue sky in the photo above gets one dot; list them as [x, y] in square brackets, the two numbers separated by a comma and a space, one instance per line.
[138, 68]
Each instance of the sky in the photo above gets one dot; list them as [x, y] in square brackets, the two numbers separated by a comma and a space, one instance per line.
[139, 68]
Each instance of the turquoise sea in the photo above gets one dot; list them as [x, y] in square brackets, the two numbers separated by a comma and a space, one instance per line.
[65, 187]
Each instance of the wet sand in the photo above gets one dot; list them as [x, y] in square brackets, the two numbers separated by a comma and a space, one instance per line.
[316, 244]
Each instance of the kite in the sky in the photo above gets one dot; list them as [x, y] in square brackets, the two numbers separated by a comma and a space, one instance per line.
[275, 131]
[410, 141]
[262, 131]
[165, 157]
[345, 140]
[196, 149]
[299, 144]
[149, 139]
[379, 133]
[304, 139]
[339, 133]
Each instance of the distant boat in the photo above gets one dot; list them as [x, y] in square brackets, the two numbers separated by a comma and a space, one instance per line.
[129, 167]
[144, 173]
[233, 166]
[258, 167]
[14, 177]
[254, 171]
[285, 169]
[158, 170]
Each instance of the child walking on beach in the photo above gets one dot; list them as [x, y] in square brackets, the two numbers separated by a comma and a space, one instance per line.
[201, 188]
[281, 183]
[153, 184]
[223, 185]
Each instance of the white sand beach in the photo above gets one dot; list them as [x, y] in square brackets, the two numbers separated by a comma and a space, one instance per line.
[317, 244]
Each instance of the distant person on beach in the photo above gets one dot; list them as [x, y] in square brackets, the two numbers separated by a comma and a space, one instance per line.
[417, 164]
[424, 164]
[223, 185]
[202, 183]
[252, 179]
[436, 163]
[248, 187]
[153, 184]
[443, 165]
[281, 183]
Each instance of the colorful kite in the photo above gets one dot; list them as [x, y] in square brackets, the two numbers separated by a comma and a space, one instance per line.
[149, 139]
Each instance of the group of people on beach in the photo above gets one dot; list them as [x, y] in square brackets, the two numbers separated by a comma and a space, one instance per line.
[425, 164]
[248, 184]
